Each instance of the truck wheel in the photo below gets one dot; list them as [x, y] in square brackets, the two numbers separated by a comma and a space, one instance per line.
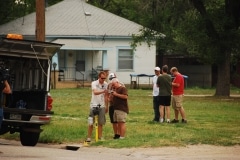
[29, 138]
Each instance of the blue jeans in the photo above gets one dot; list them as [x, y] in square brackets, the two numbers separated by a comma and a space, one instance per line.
[156, 108]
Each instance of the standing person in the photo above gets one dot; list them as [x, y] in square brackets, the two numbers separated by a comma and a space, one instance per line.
[164, 82]
[111, 107]
[99, 97]
[155, 94]
[120, 104]
[178, 91]
[5, 88]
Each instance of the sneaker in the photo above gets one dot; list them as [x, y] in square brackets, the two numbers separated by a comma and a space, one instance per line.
[116, 136]
[168, 121]
[161, 120]
[184, 121]
[174, 121]
[121, 137]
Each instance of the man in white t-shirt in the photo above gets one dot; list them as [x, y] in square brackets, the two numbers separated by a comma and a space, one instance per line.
[155, 94]
[99, 102]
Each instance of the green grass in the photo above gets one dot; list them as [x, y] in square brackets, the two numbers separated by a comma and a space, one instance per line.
[211, 120]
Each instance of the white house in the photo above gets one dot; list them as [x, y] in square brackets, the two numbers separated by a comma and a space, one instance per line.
[93, 39]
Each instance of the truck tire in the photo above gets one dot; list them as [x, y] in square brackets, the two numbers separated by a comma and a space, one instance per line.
[29, 138]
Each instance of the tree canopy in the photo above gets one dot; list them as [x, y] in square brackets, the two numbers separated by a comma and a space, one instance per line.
[207, 29]
[12, 9]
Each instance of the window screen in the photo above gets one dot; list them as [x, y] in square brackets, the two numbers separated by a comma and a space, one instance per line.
[125, 59]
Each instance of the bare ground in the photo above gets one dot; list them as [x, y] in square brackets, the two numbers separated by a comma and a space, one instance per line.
[206, 152]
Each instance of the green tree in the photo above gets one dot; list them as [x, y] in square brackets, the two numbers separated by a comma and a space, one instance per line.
[12, 9]
[207, 29]
[210, 30]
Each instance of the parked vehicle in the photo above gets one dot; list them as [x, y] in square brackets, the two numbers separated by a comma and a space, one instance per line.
[26, 64]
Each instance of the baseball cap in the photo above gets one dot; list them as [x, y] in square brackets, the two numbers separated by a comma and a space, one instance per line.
[111, 76]
[157, 69]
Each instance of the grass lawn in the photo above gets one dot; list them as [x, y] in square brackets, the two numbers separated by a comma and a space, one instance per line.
[211, 120]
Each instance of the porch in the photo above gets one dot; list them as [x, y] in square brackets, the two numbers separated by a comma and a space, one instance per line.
[70, 77]
[71, 84]
[73, 74]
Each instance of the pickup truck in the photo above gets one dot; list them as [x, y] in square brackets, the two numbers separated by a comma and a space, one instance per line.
[26, 64]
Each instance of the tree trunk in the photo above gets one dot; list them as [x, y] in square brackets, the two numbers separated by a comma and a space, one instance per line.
[223, 78]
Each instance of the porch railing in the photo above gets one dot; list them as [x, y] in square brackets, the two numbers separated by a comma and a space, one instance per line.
[71, 74]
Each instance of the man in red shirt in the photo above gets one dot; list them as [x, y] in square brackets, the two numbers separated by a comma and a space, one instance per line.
[177, 99]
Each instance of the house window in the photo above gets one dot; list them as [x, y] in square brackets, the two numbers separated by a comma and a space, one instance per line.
[125, 59]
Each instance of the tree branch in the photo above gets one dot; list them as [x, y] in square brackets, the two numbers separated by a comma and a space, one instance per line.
[211, 31]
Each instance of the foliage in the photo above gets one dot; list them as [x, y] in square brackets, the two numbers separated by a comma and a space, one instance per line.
[146, 35]
[201, 28]
[206, 29]
[13, 9]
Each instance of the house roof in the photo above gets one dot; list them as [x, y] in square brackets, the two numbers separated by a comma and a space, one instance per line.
[76, 44]
[68, 18]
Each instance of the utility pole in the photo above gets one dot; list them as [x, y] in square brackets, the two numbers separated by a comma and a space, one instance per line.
[40, 20]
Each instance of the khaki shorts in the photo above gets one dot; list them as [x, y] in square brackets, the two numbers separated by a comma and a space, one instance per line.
[119, 116]
[101, 116]
[177, 102]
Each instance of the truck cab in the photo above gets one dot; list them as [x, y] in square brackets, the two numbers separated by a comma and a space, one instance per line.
[26, 65]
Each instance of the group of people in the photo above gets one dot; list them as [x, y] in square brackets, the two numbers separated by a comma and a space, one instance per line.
[166, 92]
[112, 98]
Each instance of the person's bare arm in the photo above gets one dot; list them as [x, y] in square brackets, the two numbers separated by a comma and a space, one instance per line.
[106, 96]
[97, 92]
[175, 84]
[7, 88]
